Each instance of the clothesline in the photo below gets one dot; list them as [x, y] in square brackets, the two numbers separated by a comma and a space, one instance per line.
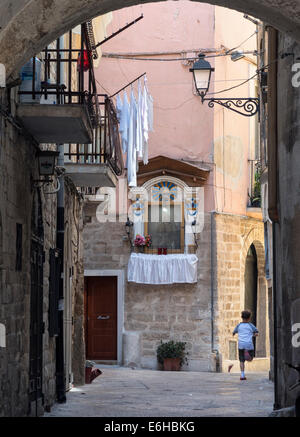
[126, 86]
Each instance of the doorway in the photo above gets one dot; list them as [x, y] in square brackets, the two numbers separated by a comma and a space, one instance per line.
[251, 276]
[101, 309]
[36, 310]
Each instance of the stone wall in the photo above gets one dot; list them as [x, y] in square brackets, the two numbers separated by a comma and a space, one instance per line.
[41, 25]
[152, 312]
[234, 236]
[17, 167]
[286, 281]
[74, 275]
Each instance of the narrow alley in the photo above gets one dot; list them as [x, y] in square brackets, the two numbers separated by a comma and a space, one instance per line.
[126, 392]
[149, 209]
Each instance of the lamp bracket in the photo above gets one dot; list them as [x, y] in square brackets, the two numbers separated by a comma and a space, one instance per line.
[243, 106]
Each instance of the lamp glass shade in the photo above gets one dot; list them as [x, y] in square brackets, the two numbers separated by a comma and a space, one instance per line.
[202, 72]
[202, 80]
[47, 163]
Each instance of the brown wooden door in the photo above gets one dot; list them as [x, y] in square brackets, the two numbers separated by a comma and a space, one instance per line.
[101, 318]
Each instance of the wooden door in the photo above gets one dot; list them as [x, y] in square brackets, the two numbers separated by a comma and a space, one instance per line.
[101, 313]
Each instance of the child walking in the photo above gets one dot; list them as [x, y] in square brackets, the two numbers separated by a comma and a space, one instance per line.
[246, 331]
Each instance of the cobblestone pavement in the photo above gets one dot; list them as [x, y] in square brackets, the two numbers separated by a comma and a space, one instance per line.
[125, 392]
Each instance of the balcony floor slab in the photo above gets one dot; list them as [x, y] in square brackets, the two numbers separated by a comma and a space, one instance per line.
[58, 124]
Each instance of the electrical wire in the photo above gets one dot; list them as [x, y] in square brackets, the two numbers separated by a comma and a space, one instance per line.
[235, 86]
[131, 58]
[108, 93]
[231, 50]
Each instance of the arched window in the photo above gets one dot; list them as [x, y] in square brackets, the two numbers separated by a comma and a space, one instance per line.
[165, 208]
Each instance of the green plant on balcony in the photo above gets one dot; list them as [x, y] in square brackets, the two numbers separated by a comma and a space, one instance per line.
[255, 199]
[172, 354]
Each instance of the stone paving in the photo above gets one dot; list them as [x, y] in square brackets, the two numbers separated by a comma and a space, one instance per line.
[126, 392]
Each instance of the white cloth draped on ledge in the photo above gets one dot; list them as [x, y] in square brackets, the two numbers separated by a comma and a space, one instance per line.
[162, 269]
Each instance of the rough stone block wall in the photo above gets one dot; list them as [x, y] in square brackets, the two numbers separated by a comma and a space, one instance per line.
[287, 249]
[18, 166]
[234, 236]
[49, 205]
[74, 264]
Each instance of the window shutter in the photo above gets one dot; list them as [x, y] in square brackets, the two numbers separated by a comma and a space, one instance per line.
[54, 261]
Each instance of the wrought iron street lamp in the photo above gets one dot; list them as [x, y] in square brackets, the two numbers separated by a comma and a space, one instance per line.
[47, 162]
[128, 228]
[202, 71]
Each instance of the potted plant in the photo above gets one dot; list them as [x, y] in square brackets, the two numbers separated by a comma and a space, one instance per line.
[172, 354]
[141, 242]
[255, 199]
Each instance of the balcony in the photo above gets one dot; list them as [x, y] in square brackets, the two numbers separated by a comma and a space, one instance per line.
[56, 96]
[57, 123]
[59, 104]
[100, 163]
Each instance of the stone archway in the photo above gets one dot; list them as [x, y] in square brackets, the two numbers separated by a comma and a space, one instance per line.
[29, 25]
[262, 320]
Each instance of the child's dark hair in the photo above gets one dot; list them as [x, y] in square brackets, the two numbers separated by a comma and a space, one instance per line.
[246, 314]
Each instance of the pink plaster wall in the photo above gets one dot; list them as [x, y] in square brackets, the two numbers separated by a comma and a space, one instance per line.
[184, 128]
[182, 131]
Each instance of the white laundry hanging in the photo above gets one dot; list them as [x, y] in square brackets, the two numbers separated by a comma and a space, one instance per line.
[145, 125]
[150, 106]
[136, 120]
[139, 123]
[119, 107]
[124, 122]
[131, 149]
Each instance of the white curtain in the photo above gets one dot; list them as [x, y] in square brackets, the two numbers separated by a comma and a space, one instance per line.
[162, 269]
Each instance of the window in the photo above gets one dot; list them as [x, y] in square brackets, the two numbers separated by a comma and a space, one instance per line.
[165, 224]
[165, 211]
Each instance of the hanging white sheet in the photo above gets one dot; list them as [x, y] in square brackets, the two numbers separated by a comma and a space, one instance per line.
[162, 269]
[136, 120]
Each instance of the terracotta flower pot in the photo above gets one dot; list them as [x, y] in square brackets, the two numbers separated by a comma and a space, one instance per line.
[172, 364]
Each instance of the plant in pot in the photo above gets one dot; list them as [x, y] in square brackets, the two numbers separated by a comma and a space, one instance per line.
[172, 354]
[141, 242]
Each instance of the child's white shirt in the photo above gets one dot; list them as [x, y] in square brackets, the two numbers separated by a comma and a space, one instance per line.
[245, 331]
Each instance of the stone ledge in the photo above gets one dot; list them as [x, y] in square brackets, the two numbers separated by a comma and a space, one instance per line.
[257, 365]
[284, 412]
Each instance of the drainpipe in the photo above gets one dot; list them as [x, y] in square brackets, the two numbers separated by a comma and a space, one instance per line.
[60, 365]
[212, 284]
[273, 181]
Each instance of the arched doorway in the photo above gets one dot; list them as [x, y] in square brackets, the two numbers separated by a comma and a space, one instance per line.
[256, 297]
[250, 300]
[251, 283]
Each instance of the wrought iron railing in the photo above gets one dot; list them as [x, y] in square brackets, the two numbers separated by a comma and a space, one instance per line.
[66, 74]
[69, 78]
[106, 146]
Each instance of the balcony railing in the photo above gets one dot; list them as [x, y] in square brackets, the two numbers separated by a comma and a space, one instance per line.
[64, 75]
[59, 103]
[106, 147]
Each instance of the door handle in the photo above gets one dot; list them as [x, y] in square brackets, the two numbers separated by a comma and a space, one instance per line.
[103, 317]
